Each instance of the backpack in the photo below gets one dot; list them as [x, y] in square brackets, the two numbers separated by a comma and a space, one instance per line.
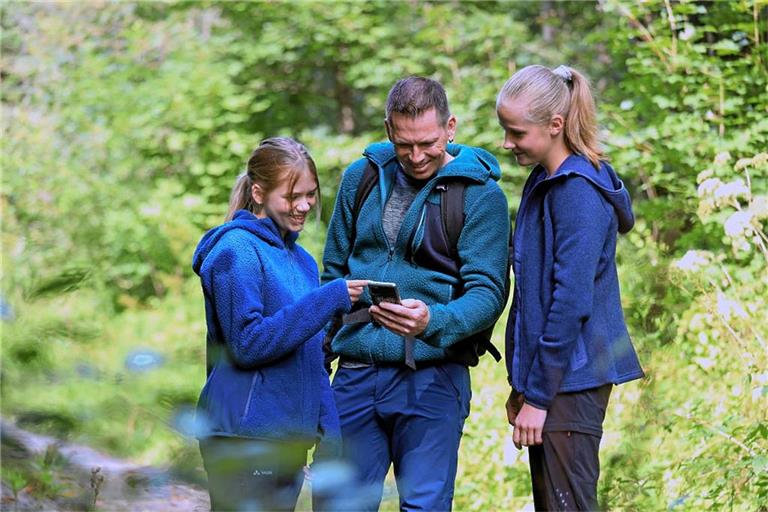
[442, 255]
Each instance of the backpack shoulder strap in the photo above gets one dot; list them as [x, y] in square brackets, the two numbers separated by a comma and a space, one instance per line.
[452, 213]
[367, 182]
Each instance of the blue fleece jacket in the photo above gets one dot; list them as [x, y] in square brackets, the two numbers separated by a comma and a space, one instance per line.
[566, 329]
[482, 249]
[265, 313]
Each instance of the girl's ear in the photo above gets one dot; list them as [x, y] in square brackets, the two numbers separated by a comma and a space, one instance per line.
[556, 125]
[257, 194]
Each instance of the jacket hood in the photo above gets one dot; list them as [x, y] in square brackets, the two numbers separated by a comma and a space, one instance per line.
[606, 181]
[264, 228]
[468, 162]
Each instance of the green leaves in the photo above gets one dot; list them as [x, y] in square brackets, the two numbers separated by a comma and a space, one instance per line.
[125, 125]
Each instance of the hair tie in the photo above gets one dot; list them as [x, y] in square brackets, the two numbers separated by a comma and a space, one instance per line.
[565, 73]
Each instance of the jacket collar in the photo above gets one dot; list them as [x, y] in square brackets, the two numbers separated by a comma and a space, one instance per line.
[469, 162]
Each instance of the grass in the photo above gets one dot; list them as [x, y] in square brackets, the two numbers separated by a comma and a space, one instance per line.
[124, 383]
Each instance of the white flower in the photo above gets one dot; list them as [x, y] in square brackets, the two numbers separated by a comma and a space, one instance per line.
[703, 175]
[742, 163]
[728, 307]
[693, 261]
[732, 189]
[709, 186]
[723, 158]
[688, 32]
[738, 223]
[627, 104]
[759, 206]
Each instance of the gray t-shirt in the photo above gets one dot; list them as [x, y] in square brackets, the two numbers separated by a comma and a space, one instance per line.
[403, 193]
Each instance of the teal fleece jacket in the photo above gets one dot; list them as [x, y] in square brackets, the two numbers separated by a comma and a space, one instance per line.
[482, 250]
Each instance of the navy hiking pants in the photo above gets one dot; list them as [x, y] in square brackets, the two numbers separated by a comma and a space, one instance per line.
[412, 419]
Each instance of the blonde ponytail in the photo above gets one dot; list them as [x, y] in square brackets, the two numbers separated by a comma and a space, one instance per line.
[581, 121]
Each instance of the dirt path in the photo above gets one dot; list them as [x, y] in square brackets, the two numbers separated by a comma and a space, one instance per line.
[121, 485]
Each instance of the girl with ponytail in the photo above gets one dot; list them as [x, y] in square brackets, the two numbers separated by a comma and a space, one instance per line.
[267, 398]
[566, 340]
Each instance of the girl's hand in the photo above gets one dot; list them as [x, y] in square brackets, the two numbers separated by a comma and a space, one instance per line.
[514, 404]
[355, 289]
[529, 425]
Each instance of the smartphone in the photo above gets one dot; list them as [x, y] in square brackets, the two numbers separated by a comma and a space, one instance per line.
[383, 292]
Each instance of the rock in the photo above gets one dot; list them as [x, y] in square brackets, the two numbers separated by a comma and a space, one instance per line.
[118, 484]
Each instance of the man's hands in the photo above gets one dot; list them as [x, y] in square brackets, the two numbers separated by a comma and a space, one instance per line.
[527, 420]
[409, 318]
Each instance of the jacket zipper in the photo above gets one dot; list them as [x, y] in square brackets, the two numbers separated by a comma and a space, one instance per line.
[247, 408]
[518, 262]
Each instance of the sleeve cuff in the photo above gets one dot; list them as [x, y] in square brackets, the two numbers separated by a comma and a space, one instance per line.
[537, 404]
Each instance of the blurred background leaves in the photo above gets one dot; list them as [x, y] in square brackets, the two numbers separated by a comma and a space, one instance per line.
[125, 124]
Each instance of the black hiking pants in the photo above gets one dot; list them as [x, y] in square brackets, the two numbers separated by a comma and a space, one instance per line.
[566, 467]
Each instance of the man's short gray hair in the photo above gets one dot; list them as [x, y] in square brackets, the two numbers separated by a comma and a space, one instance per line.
[415, 95]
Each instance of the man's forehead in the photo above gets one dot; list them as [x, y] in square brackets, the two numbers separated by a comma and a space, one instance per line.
[429, 115]
[424, 126]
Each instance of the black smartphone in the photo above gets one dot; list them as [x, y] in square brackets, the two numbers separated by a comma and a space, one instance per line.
[383, 292]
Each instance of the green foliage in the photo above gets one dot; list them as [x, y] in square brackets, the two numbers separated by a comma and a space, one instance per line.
[685, 101]
[124, 126]
[691, 112]
[96, 150]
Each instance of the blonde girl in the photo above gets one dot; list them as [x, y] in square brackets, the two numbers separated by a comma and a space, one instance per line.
[566, 340]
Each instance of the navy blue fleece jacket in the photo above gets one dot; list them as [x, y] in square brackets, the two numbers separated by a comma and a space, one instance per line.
[482, 250]
[265, 312]
[566, 329]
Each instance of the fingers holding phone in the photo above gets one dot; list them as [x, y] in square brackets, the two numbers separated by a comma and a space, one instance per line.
[409, 318]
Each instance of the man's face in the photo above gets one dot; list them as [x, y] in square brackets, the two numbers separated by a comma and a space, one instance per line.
[420, 142]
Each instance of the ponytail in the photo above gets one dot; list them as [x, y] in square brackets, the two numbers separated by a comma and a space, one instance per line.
[241, 198]
[562, 91]
[581, 120]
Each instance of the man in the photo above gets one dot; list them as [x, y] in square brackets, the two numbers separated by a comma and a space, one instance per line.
[391, 413]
